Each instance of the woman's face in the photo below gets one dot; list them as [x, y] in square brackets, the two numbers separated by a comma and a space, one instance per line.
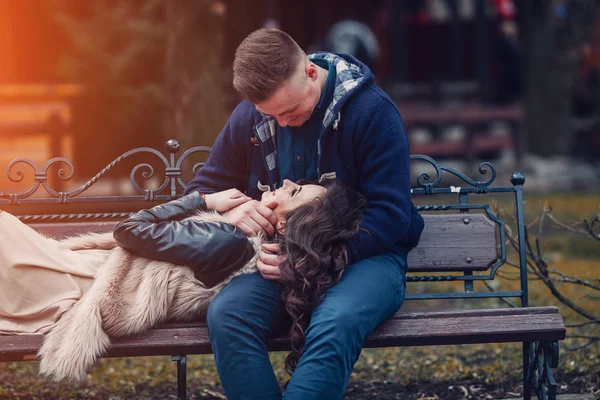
[289, 197]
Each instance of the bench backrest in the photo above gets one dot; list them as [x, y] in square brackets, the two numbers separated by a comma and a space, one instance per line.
[462, 241]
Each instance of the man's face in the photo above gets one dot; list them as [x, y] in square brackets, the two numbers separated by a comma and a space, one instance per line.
[294, 102]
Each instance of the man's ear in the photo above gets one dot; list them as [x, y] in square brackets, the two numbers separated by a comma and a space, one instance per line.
[311, 71]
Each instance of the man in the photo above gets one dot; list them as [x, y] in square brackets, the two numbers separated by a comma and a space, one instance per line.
[308, 117]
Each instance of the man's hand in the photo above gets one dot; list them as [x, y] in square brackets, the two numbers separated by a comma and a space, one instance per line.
[269, 261]
[225, 200]
[252, 217]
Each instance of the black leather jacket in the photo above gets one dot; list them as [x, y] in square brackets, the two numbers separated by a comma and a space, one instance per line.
[213, 250]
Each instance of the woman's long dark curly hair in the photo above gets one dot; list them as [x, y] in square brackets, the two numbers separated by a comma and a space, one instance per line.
[315, 243]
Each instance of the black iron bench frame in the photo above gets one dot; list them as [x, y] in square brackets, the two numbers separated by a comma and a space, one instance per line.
[539, 329]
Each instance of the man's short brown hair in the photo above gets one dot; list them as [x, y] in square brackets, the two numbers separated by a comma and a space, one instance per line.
[263, 61]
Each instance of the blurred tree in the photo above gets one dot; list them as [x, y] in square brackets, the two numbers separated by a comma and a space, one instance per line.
[553, 34]
[195, 95]
[151, 72]
[116, 52]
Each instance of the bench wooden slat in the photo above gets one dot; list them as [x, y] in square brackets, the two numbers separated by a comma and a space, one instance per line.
[446, 245]
[402, 329]
[468, 329]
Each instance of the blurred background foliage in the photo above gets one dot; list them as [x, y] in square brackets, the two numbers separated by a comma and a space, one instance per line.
[151, 72]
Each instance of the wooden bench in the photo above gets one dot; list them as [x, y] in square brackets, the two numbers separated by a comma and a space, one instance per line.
[463, 242]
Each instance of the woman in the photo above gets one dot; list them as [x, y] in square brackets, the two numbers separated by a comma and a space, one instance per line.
[314, 242]
[134, 280]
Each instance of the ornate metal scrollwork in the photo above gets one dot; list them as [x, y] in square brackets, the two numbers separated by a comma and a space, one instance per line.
[430, 187]
[173, 175]
[196, 166]
[145, 170]
[41, 178]
[539, 378]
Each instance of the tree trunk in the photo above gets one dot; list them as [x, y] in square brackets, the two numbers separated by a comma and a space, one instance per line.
[195, 98]
[552, 59]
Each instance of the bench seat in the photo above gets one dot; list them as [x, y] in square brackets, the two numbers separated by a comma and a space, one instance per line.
[402, 329]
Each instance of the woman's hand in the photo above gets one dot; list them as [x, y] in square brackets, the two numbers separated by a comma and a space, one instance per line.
[225, 200]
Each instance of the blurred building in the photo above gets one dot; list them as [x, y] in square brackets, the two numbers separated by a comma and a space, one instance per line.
[453, 66]
[449, 64]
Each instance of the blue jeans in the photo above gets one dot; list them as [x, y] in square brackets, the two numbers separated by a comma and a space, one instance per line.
[242, 315]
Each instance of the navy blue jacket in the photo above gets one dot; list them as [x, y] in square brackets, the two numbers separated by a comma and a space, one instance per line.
[362, 141]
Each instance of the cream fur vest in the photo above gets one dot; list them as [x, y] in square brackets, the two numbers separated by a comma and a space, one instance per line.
[129, 295]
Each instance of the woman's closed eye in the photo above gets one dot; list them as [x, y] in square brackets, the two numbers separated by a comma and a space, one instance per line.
[296, 191]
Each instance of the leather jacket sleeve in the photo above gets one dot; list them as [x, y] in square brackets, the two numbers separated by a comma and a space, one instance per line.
[213, 250]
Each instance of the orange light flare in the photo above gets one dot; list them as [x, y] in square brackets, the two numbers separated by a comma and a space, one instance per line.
[34, 124]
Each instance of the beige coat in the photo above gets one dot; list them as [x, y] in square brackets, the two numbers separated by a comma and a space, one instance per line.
[102, 290]
[40, 278]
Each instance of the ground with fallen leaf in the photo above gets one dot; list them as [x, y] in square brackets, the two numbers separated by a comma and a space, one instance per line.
[451, 372]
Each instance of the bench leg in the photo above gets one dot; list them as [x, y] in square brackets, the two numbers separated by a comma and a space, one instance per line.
[527, 385]
[181, 376]
[538, 360]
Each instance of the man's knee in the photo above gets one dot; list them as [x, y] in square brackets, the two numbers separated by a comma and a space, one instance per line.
[337, 325]
[248, 303]
[221, 314]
